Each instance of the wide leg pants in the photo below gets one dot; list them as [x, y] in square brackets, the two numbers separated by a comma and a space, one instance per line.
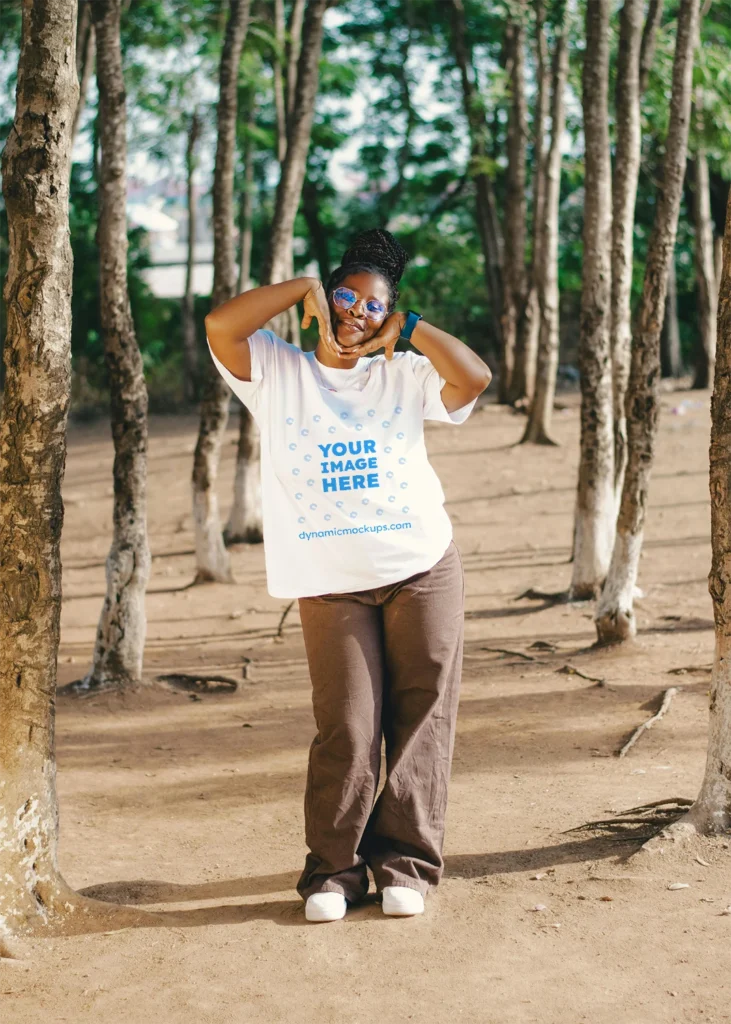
[384, 663]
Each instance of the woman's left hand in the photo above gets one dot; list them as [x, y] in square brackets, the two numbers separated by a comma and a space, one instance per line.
[385, 338]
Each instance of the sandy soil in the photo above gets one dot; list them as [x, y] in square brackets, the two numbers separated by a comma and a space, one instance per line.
[193, 807]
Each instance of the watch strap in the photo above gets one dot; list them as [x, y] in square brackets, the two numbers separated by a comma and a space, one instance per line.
[412, 319]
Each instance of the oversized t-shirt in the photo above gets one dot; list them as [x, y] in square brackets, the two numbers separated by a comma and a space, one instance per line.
[349, 499]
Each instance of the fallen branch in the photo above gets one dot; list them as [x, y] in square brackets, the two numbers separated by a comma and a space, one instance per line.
[570, 670]
[684, 669]
[504, 650]
[659, 813]
[666, 699]
[285, 613]
[554, 597]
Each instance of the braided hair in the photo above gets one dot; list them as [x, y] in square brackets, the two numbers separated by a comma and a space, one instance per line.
[375, 252]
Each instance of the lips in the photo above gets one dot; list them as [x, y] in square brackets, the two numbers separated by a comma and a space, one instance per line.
[351, 326]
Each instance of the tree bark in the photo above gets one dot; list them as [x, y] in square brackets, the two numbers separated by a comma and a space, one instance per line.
[624, 198]
[120, 636]
[529, 324]
[595, 506]
[488, 223]
[85, 55]
[245, 523]
[246, 204]
[515, 277]
[190, 346]
[212, 560]
[670, 362]
[711, 812]
[293, 48]
[615, 620]
[36, 163]
[538, 429]
[278, 83]
[705, 273]
[649, 39]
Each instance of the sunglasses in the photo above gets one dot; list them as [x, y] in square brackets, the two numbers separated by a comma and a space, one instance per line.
[346, 297]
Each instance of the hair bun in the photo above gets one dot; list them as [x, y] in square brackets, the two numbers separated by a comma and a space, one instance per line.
[379, 248]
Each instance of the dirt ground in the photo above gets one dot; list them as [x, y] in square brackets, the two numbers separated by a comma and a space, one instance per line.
[192, 805]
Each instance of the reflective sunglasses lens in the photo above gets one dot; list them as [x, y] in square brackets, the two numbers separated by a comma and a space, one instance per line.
[344, 298]
[374, 310]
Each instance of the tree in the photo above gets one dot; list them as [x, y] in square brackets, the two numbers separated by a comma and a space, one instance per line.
[711, 811]
[615, 618]
[120, 637]
[212, 560]
[488, 223]
[35, 172]
[634, 46]
[245, 522]
[595, 505]
[538, 428]
[515, 278]
[670, 362]
[703, 251]
[85, 55]
[190, 344]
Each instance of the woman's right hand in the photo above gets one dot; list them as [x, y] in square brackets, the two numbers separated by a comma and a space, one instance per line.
[316, 305]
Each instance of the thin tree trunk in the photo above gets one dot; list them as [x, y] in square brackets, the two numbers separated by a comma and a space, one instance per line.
[670, 362]
[538, 429]
[212, 560]
[85, 54]
[705, 273]
[488, 223]
[624, 198]
[246, 204]
[595, 506]
[318, 234]
[615, 618]
[35, 406]
[529, 324]
[190, 346]
[277, 69]
[515, 276]
[649, 39]
[245, 523]
[120, 635]
[293, 49]
[712, 810]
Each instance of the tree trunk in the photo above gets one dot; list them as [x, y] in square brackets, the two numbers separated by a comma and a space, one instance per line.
[246, 203]
[212, 560]
[190, 346]
[277, 67]
[670, 362]
[120, 636]
[615, 618]
[293, 49]
[649, 38]
[624, 197]
[245, 522]
[712, 810]
[35, 172]
[595, 506]
[85, 54]
[538, 429]
[515, 277]
[488, 223]
[705, 273]
[318, 234]
[529, 324]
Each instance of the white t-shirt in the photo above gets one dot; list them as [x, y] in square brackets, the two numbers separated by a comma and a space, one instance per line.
[349, 499]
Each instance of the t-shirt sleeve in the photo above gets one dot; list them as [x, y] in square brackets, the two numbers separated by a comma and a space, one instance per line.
[431, 384]
[262, 346]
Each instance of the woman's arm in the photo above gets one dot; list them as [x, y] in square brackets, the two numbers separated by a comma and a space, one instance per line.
[466, 375]
[229, 325]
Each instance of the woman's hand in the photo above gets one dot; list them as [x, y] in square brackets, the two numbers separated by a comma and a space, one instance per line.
[385, 338]
[316, 305]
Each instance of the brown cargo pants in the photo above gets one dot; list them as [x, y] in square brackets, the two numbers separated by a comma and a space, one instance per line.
[383, 663]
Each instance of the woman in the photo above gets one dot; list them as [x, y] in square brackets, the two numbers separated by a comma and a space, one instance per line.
[355, 528]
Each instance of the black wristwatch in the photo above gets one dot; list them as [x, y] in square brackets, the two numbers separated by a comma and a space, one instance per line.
[410, 323]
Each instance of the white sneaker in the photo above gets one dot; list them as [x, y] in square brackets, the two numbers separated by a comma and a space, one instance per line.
[400, 901]
[325, 906]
